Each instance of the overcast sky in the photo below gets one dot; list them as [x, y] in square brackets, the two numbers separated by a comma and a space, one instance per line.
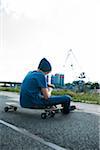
[33, 29]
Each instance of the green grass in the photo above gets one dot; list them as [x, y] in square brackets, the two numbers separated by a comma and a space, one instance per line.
[9, 89]
[93, 98]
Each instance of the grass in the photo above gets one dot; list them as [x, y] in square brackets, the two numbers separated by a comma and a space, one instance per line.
[92, 98]
[9, 89]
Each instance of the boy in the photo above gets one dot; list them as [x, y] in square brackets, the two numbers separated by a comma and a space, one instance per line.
[34, 90]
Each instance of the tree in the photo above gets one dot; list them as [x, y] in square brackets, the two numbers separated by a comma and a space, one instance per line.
[95, 85]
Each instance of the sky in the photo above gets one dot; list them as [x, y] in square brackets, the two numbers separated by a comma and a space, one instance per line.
[66, 32]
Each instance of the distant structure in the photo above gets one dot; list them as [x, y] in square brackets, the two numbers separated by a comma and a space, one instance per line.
[9, 84]
[72, 63]
[57, 80]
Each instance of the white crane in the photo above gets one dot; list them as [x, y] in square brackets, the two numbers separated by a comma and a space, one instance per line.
[69, 57]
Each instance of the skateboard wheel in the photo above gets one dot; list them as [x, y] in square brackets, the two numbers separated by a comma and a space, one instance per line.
[72, 107]
[61, 110]
[52, 114]
[57, 111]
[15, 108]
[43, 116]
[6, 109]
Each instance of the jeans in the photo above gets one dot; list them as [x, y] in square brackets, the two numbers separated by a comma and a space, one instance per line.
[29, 102]
[55, 100]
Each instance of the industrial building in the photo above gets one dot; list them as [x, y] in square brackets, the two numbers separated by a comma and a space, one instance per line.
[57, 80]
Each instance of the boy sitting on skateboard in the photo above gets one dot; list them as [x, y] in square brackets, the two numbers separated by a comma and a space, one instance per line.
[34, 84]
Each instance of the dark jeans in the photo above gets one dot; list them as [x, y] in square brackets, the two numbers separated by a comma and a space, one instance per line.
[30, 102]
[55, 100]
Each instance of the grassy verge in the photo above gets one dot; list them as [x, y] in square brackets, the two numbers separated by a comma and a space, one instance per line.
[93, 98]
[9, 89]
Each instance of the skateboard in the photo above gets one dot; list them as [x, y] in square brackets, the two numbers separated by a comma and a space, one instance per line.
[49, 111]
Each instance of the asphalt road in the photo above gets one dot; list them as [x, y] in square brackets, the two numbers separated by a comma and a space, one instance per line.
[25, 130]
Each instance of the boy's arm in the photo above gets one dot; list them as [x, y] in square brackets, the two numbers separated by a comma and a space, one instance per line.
[45, 93]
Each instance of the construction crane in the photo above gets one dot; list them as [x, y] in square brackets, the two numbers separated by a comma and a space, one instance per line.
[71, 55]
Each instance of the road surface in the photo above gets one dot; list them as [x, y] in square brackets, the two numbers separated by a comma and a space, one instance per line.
[25, 130]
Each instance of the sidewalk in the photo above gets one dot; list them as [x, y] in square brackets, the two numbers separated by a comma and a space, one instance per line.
[90, 108]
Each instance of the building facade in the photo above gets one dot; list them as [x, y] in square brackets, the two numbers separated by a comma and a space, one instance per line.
[57, 80]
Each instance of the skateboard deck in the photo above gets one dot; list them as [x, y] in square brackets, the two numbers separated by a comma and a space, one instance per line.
[49, 111]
